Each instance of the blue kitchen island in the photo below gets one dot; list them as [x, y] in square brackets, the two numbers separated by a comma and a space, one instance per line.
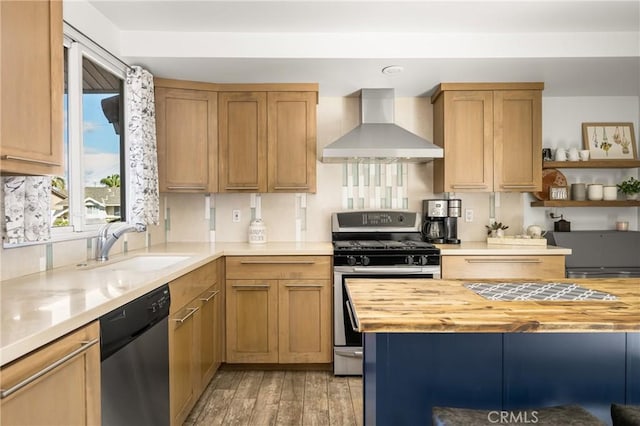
[431, 343]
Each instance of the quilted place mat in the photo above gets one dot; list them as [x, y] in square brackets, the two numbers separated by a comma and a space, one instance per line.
[537, 291]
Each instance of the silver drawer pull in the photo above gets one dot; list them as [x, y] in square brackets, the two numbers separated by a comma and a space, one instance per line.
[277, 262]
[290, 187]
[469, 186]
[31, 160]
[85, 345]
[199, 187]
[235, 188]
[503, 260]
[250, 285]
[186, 317]
[211, 296]
[514, 186]
[304, 285]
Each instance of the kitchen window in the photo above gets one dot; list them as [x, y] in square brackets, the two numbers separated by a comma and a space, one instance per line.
[91, 190]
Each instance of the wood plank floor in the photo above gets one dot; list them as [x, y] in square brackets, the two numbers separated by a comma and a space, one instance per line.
[256, 398]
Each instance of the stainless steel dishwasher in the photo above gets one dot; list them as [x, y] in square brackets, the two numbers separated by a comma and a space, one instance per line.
[134, 353]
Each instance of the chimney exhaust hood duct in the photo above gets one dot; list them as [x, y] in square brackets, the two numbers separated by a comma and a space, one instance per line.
[378, 138]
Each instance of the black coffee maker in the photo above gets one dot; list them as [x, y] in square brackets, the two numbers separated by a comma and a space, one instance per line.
[440, 220]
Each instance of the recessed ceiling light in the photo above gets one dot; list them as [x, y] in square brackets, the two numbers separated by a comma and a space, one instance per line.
[392, 70]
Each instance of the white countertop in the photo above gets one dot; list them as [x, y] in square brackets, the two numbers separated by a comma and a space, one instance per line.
[38, 308]
[481, 248]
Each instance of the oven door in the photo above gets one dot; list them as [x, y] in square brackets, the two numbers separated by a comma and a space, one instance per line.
[347, 348]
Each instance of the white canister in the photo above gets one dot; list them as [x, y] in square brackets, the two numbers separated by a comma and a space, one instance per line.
[561, 154]
[573, 154]
[257, 232]
[595, 192]
[610, 193]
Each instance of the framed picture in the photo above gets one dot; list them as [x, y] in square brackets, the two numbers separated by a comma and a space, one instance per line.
[609, 141]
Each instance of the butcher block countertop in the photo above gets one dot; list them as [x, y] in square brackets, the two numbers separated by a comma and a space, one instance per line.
[423, 305]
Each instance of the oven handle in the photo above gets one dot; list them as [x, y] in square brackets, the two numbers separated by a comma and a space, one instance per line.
[354, 354]
[352, 319]
[383, 270]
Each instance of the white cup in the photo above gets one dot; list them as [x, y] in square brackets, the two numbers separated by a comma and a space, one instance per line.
[573, 154]
[561, 154]
[610, 193]
[595, 192]
[584, 155]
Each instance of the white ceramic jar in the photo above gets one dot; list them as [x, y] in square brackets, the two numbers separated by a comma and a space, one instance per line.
[595, 192]
[610, 193]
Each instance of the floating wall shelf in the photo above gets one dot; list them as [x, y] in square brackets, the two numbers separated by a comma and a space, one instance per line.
[573, 203]
[591, 164]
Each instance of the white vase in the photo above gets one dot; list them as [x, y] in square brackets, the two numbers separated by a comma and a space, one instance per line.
[632, 196]
[500, 233]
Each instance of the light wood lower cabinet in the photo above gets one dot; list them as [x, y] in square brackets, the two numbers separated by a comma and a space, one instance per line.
[304, 321]
[517, 266]
[196, 331]
[67, 394]
[278, 309]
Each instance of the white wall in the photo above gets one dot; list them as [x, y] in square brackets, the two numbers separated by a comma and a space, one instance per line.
[562, 120]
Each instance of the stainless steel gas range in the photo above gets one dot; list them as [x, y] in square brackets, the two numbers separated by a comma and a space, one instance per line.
[372, 244]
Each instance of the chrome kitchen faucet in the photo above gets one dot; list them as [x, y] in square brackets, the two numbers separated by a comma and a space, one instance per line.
[107, 239]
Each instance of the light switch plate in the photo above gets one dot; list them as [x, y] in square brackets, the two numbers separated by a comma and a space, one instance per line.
[235, 216]
[468, 215]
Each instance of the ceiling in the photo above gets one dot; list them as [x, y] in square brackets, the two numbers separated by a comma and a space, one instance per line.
[576, 47]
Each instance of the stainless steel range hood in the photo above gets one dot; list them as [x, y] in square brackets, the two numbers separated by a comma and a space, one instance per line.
[378, 138]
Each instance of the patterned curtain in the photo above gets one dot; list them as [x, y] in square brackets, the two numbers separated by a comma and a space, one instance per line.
[27, 207]
[144, 205]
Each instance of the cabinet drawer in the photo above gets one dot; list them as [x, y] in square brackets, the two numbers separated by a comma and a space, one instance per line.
[278, 267]
[189, 286]
[502, 267]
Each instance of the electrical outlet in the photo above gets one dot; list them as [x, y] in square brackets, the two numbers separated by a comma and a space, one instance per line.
[468, 215]
[235, 216]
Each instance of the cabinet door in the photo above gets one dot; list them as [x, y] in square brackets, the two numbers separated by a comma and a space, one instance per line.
[243, 141]
[209, 335]
[304, 321]
[69, 394]
[183, 362]
[31, 87]
[252, 321]
[517, 140]
[467, 120]
[291, 141]
[187, 140]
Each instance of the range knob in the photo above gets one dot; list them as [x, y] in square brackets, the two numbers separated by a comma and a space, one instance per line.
[424, 260]
[351, 261]
[409, 260]
[365, 260]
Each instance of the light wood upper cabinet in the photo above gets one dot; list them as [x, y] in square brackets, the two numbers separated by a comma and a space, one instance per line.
[291, 142]
[243, 141]
[69, 394]
[186, 130]
[517, 148]
[31, 87]
[491, 135]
